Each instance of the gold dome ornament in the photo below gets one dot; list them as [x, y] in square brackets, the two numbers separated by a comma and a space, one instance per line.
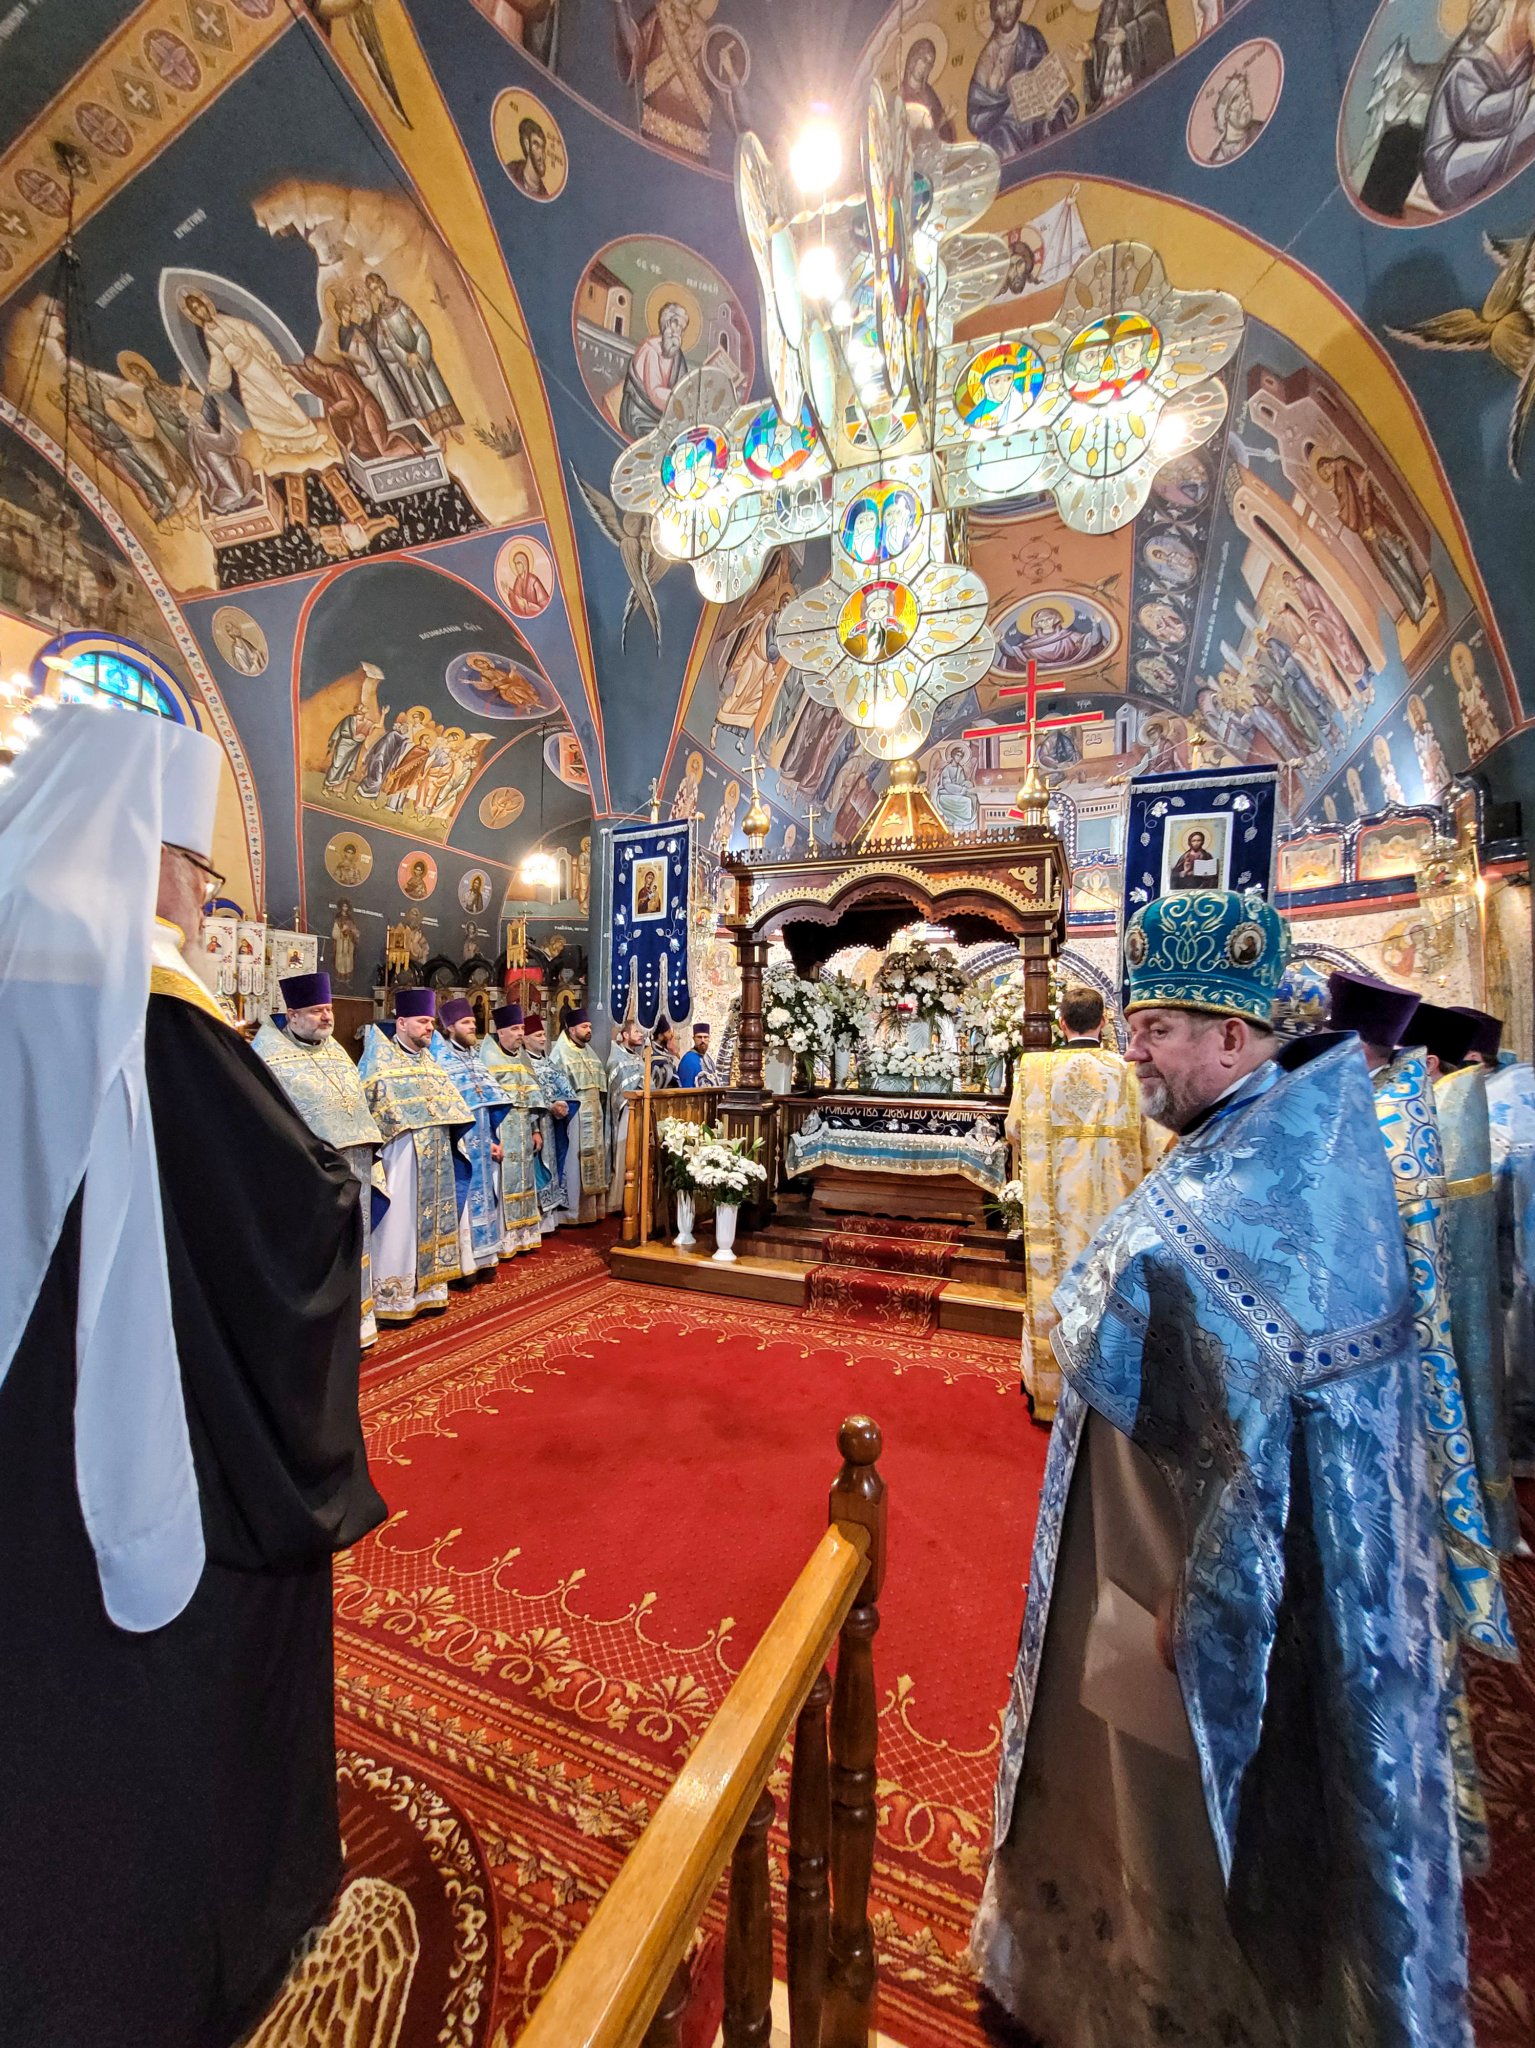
[758, 821]
[1032, 803]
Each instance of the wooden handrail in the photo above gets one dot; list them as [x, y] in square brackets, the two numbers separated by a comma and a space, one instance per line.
[624, 1970]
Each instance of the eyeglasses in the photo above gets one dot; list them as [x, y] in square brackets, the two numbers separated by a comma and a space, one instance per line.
[214, 880]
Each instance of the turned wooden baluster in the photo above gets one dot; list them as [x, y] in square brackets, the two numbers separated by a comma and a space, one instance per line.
[809, 1849]
[752, 954]
[858, 1495]
[749, 1936]
[665, 2030]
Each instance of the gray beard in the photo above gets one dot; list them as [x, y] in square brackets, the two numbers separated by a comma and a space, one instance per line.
[309, 1037]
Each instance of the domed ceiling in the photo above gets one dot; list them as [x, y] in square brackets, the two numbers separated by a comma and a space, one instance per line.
[371, 294]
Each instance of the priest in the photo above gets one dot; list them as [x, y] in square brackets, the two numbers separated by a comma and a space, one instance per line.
[1226, 1803]
[522, 1137]
[1470, 1238]
[325, 1088]
[626, 1077]
[481, 1215]
[696, 1068]
[586, 1155]
[423, 1121]
[1082, 1145]
[179, 1431]
[560, 1107]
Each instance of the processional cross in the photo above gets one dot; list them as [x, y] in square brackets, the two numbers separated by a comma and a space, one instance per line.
[810, 817]
[1031, 692]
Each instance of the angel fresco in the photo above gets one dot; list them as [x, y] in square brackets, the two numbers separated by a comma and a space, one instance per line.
[630, 534]
[1502, 327]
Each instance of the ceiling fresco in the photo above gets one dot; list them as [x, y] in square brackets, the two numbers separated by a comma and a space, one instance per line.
[371, 294]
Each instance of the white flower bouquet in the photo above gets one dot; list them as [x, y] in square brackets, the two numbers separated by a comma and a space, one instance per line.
[721, 1168]
[1006, 1016]
[922, 1070]
[679, 1142]
[927, 978]
[847, 1001]
[797, 1020]
[1008, 1205]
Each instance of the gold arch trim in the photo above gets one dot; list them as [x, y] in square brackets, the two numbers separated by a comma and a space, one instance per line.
[932, 886]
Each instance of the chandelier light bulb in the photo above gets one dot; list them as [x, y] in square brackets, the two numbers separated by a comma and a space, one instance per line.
[538, 871]
[820, 274]
[815, 157]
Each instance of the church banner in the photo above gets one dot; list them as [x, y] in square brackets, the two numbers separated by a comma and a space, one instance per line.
[1206, 828]
[652, 869]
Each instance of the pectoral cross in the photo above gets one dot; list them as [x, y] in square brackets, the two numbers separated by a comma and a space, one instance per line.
[810, 845]
[1031, 692]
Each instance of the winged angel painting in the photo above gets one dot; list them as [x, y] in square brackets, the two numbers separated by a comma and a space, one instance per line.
[1503, 326]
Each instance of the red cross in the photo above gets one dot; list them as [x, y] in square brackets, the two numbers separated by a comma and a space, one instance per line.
[1031, 691]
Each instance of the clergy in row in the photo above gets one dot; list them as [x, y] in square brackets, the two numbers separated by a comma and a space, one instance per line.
[179, 1428]
[423, 1120]
[1226, 1804]
[584, 1082]
[482, 1215]
[1511, 1115]
[1474, 1609]
[326, 1089]
[1081, 1144]
[522, 1134]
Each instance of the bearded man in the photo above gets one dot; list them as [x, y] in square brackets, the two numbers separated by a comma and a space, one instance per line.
[481, 1218]
[1226, 1803]
[423, 1120]
[326, 1090]
[522, 1136]
[585, 1082]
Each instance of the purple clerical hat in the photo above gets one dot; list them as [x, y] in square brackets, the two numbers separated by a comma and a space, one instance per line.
[1448, 1034]
[305, 991]
[506, 1015]
[700, 1029]
[1378, 1010]
[1489, 1031]
[454, 1011]
[415, 1002]
[576, 1017]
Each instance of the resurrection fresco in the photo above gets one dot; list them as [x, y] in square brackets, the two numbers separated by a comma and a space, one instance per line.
[368, 304]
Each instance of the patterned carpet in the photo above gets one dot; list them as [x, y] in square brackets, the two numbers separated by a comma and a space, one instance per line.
[599, 1492]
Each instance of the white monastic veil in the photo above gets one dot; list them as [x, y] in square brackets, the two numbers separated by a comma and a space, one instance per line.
[80, 832]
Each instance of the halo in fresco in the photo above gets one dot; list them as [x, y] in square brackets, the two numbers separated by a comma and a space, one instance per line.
[417, 875]
[1235, 104]
[494, 686]
[348, 859]
[501, 807]
[530, 146]
[240, 640]
[879, 524]
[475, 891]
[1435, 114]
[1058, 630]
[525, 579]
[647, 313]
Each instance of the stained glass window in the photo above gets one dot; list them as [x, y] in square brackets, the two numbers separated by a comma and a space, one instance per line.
[86, 666]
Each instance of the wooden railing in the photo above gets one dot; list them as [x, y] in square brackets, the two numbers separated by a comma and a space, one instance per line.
[626, 1982]
[644, 1195]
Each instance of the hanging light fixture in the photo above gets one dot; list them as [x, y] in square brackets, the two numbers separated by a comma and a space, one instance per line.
[539, 869]
[882, 430]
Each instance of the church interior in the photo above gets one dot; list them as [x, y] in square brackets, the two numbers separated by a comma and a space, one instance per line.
[934, 488]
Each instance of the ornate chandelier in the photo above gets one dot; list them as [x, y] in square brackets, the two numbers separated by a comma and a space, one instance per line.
[882, 431]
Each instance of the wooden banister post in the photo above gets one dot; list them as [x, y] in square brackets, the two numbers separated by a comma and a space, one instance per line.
[809, 1851]
[665, 2030]
[857, 1496]
[749, 1936]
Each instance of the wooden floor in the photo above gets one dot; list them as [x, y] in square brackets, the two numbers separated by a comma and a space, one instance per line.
[967, 1304]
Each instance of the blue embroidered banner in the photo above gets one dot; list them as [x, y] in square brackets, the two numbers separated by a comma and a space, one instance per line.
[652, 869]
[1207, 828]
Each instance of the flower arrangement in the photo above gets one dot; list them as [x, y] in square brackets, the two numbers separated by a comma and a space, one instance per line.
[847, 1001]
[924, 1070]
[797, 1020]
[1008, 1206]
[723, 1168]
[1006, 1016]
[679, 1141]
[918, 980]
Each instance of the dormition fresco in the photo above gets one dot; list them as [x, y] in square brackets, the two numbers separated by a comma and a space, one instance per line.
[294, 371]
[1437, 114]
[1018, 74]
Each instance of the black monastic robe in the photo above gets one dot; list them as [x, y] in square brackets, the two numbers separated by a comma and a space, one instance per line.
[168, 1817]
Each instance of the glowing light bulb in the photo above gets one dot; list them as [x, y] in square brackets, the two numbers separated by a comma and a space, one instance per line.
[815, 157]
[842, 313]
[1172, 434]
[820, 274]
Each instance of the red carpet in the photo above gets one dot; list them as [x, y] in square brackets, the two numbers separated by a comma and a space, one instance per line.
[882, 1273]
[599, 1494]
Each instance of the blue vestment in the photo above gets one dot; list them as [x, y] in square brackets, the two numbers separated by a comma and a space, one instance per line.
[1243, 1324]
[481, 1209]
[1511, 1115]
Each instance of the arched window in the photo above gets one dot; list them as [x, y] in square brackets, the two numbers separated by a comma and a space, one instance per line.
[81, 666]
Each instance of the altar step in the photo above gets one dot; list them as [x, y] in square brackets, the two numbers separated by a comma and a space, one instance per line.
[980, 1256]
[969, 1304]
